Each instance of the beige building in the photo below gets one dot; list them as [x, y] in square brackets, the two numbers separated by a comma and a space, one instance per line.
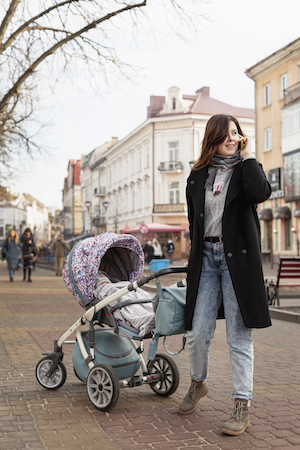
[142, 178]
[277, 113]
[72, 214]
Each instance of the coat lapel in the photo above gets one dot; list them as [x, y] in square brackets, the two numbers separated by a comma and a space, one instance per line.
[198, 192]
[235, 184]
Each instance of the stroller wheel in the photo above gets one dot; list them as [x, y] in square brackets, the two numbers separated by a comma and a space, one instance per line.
[103, 386]
[56, 380]
[169, 381]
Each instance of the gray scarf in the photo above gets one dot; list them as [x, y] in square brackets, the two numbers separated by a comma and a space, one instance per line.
[217, 179]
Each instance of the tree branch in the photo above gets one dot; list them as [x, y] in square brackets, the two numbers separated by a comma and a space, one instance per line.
[5, 100]
[6, 21]
[25, 25]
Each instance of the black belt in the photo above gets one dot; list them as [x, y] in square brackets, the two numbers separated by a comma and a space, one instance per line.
[213, 239]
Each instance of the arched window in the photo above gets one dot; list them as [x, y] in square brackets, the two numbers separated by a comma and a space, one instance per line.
[173, 103]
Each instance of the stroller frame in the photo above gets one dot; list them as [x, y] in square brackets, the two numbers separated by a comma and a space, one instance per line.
[103, 383]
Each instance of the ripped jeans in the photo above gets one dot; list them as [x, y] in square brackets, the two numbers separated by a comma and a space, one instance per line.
[215, 284]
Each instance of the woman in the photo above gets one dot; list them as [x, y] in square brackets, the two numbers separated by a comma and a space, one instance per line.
[11, 251]
[157, 250]
[28, 253]
[225, 275]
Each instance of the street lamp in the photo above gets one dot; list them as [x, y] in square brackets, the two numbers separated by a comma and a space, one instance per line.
[105, 206]
[88, 204]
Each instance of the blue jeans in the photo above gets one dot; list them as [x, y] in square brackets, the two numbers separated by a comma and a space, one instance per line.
[215, 284]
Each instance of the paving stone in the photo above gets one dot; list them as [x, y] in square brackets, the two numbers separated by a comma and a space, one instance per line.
[34, 418]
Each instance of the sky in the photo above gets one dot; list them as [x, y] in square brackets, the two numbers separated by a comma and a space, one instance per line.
[236, 35]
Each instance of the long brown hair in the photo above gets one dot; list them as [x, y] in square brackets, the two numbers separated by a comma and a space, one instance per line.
[14, 238]
[216, 132]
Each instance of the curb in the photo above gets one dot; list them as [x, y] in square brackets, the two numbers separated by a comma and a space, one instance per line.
[290, 316]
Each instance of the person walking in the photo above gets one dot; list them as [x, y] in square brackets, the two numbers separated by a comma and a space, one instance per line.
[28, 253]
[157, 250]
[59, 246]
[170, 250]
[225, 277]
[149, 251]
[11, 250]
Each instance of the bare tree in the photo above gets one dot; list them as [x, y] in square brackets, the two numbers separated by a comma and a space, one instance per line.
[44, 39]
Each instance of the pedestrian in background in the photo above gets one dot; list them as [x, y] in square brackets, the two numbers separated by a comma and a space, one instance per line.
[28, 253]
[59, 247]
[157, 250]
[149, 250]
[11, 251]
[225, 271]
[170, 249]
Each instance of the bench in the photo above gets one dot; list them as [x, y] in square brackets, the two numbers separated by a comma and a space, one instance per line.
[288, 276]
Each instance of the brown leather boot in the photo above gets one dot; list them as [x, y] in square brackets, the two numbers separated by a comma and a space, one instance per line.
[239, 419]
[197, 390]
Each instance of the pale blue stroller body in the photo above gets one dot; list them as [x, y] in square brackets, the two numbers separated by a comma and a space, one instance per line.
[108, 355]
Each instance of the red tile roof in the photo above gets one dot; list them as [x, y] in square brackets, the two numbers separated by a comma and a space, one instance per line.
[202, 104]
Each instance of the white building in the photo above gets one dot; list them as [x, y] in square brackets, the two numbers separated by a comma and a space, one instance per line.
[141, 179]
[20, 212]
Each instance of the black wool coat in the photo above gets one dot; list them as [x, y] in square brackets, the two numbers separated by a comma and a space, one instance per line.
[241, 237]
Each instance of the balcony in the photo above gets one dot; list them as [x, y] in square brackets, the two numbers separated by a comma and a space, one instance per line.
[171, 166]
[170, 208]
[98, 221]
[292, 94]
[100, 191]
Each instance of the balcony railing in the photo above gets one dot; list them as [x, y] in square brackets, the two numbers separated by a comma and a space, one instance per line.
[170, 208]
[100, 191]
[98, 221]
[292, 94]
[170, 166]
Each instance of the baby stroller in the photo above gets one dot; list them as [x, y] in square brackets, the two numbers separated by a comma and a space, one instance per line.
[108, 355]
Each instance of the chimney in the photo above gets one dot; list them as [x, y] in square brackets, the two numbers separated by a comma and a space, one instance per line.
[204, 90]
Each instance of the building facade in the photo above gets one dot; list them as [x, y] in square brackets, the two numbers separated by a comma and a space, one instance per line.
[141, 179]
[21, 211]
[277, 112]
[72, 213]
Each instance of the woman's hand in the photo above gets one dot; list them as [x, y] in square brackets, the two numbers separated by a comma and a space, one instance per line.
[246, 151]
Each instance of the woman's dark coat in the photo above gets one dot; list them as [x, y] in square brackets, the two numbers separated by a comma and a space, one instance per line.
[241, 236]
[12, 251]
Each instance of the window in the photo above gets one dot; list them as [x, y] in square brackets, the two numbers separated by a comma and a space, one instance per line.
[147, 157]
[174, 193]
[147, 194]
[132, 164]
[173, 103]
[291, 176]
[174, 151]
[283, 85]
[267, 94]
[291, 120]
[140, 196]
[267, 139]
[126, 167]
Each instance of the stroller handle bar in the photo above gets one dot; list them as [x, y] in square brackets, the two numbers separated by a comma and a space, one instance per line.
[158, 273]
[88, 316]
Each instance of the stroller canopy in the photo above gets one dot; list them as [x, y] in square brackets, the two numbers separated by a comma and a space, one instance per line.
[119, 255]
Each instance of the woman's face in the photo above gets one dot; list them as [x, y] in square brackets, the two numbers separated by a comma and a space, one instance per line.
[231, 143]
[12, 233]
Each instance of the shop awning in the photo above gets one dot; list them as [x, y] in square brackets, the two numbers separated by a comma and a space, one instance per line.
[266, 214]
[155, 228]
[283, 213]
[297, 212]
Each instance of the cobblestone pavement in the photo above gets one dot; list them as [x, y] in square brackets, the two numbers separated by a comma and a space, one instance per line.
[32, 315]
